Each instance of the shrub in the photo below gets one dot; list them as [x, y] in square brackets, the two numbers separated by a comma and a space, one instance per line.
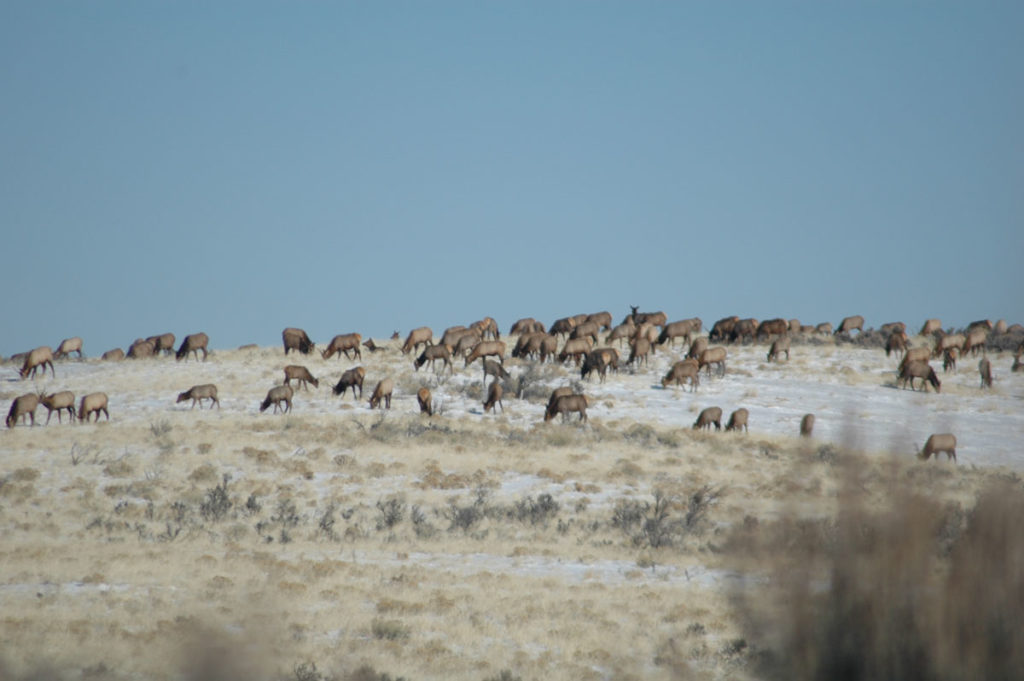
[217, 504]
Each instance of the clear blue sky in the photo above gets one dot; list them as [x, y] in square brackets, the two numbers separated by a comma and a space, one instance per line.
[240, 167]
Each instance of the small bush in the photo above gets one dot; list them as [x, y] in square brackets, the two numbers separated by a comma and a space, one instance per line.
[537, 512]
[391, 511]
[389, 630]
[216, 505]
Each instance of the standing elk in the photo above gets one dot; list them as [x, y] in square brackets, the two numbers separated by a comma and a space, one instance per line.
[658, 319]
[565, 404]
[713, 355]
[382, 392]
[744, 329]
[22, 406]
[576, 348]
[600, 360]
[779, 345]
[707, 417]
[93, 403]
[772, 327]
[67, 346]
[295, 372]
[163, 342]
[911, 370]
[424, 399]
[487, 349]
[40, 357]
[432, 354]
[142, 348]
[722, 329]
[953, 340]
[825, 328]
[353, 378]
[494, 393]
[985, 369]
[115, 355]
[296, 339]
[685, 369]
[586, 330]
[344, 343]
[893, 327]
[192, 344]
[639, 350]
[896, 343]
[974, 341]
[856, 322]
[603, 319]
[487, 327]
[683, 328]
[930, 326]
[198, 393]
[699, 345]
[621, 332]
[417, 337]
[807, 425]
[949, 360]
[59, 402]
[277, 395]
[738, 420]
[938, 443]
[563, 326]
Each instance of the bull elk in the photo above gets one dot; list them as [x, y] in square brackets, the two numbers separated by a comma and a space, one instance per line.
[295, 372]
[382, 392]
[344, 343]
[296, 339]
[938, 443]
[277, 395]
[353, 378]
[22, 406]
[40, 357]
[417, 337]
[707, 417]
[198, 393]
[67, 346]
[192, 344]
[93, 403]
[59, 402]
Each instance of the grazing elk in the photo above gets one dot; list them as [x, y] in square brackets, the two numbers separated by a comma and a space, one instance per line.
[343, 344]
[603, 319]
[738, 420]
[59, 402]
[825, 328]
[487, 349]
[494, 393]
[93, 403]
[974, 341]
[526, 325]
[353, 378]
[985, 369]
[779, 345]
[296, 339]
[163, 342]
[277, 395]
[685, 369]
[896, 343]
[699, 345]
[721, 331]
[452, 335]
[563, 326]
[713, 355]
[67, 346]
[424, 399]
[417, 337]
[658, 319]
[432, 354]
[744, 329]
[920, 354]
[807, 425]
[142, 348]
[22, 406]
[683, 328]
[621, 332]
[930, 326]
[41, 357]
[492, 368]
[382, 392]
[600, 360]
[938, 443]
[893, 327]
[949, 360]
[565, 404]
[295, 372]
[711, 415]
[576, 348]
[911, 370]
[487, 328]
[953, 340]
[198, 393]
[639, 349]
[856, 322]
[115, 355]
[586, 330]
[192, 344]
[772, 327]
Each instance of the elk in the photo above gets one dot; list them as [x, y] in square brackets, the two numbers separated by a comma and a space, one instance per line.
[198, 393]
[938, 443]
[586, 330]
[63, 400]
[277, 395]
[711, 415]
[911, 370]
[115, 355]
[192, 344]
[67, 346]
[432, 354]
[93, 403]
[353, 378]
[41, 357]
[371, 346]
[603, 319]
[949, 360]
[599, 360]
[382, 392]
[562, 326]
[576, 348]
[487, 328]
[141, 348]
[295, 372]
[658, 319]
[492, 368]
[699, 345]
[686, 369]
[893, 327]
[795, 327]
[856, 322]
[548, 347]
[417, 337]
[452, 334]
[522, 346]
[825, 328]
[930, 326]
[565, 404]
[896, 342]
[920, 354]
[558, 392]
[738, 420]
[344, 343]
[163, 342]
[639, 349]
[713, 355]
[424, 400]
[953, 340]
[621, 332]
[985, 369]
[779, 345]
[1000, 327]
[722, 329]
[772, 327]
[807, 425]
[465, 344]
[683, 328]
[296, 339]
[494, 393]
[974, 341]
[22, 406]
[744, 329]
[493, 348]
[526, 325]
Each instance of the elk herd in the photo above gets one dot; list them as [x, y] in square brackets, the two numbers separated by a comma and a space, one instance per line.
[569, 340]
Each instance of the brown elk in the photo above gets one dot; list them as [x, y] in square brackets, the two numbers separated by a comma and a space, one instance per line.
[807, 425]
[563, 326]
[494, 393]
[599, 360]
[603, 319]
[738, 420]
[452, 334]
[795, 327]
[465, 344]
[487, 327]
[974, 341]
[1000, 327]
[825, 328]
[938, 443]
[522, 347]
[59, 402]
[930, 326]
[713, 355]
[353, 378]
[382, 392]
[526, 325]
[565, 404]
[37, 359]
[896, 342]
[856, 322]
[658, 319]
[115, 355]
[295, 372]
[93, 403]
[699, 345]
[985, 369]
[548, 347]
[492, 368]
[911, 370]
[621, 332]
[296, 339]
[920, 354]
[277, 395]
[198, 393]
[432, 354]
[192, 344]
[487, 349]
[424, 399]
[163, 342]
[779, 345]
[586, 330]
[744, 329]
[576, 348]
[685, 369]
[371, 346]
[417, 337]
[683, 328]
[722, 329]
[142, 348]
[639, 349]
[22, 406]
[949, 360]
[772, 327]
[893, 327]
[953, 340]
[707, 417]
[67, 346]
[343, 344]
